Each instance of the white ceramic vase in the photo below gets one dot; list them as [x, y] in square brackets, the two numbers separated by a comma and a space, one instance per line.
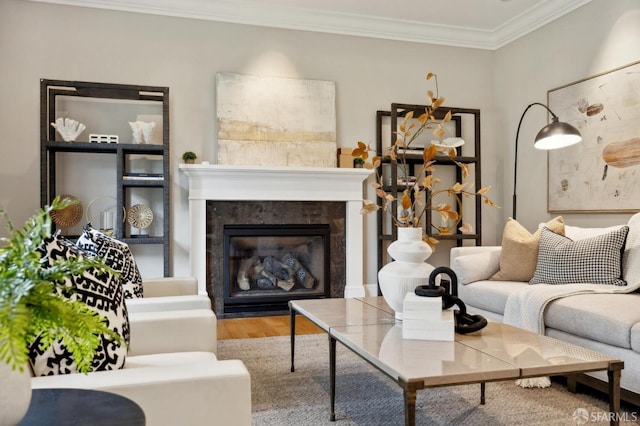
[15, 394]
[407, 271]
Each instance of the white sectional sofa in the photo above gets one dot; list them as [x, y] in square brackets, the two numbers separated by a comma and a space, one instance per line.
[600, 320]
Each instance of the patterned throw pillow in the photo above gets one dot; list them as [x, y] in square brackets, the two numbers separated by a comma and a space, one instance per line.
[117, 255]
[595, 260]
[103, 294]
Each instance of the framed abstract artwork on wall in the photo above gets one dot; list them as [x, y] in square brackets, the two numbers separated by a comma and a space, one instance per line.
[274, 121]
[602, 173]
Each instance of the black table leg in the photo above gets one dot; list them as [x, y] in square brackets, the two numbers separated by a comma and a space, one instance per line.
[292, 314]
[332, 377]
[482, 390]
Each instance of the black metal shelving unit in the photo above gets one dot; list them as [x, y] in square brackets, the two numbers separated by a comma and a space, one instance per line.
[51, 150]
[390, 179]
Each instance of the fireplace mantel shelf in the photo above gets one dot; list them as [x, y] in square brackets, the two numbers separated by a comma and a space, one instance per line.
[225, 182]
[222, 182]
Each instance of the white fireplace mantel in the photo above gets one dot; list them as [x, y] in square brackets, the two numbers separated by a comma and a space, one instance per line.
[250, 183]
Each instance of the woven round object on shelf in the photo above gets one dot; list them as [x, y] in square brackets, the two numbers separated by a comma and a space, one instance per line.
[140, 216]
[70, 215]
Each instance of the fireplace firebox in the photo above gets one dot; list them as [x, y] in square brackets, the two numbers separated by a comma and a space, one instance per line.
[265, 266]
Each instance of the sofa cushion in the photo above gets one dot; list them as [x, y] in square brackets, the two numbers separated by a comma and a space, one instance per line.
[117, 255]
[175, 358]
[102, 292]
[590, 316]
[635, 337]
[595, 260]
[489, 295]
[520, 250]
[631, 256]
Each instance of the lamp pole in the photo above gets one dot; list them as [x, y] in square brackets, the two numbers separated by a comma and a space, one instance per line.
[554, 135]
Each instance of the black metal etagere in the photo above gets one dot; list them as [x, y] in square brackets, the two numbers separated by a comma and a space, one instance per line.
[390, 178]
[50, 149]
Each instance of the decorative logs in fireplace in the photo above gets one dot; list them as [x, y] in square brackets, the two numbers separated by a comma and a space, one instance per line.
[271, 273]
[265, 266]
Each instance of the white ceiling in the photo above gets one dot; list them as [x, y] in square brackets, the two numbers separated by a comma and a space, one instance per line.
[482, 24]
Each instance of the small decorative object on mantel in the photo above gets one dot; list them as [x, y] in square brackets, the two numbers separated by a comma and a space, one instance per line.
[189, 157]
[142, 131]
[140, 216]
[69, 129]
[417, 201]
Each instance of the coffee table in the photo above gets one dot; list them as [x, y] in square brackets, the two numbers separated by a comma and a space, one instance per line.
[498, 352]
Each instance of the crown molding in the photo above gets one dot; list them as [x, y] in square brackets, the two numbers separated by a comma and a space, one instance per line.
[534, 18]
[277, 16]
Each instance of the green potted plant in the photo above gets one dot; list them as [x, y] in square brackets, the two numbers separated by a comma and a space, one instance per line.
[189, 157]
[358, 162]
[30, 306]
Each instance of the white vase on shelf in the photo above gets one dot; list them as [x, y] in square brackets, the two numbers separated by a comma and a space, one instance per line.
[408, 270]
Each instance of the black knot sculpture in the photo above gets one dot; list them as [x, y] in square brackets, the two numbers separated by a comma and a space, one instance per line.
[465, 322]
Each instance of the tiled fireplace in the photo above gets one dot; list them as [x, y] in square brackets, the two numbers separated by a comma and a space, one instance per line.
[256, 202]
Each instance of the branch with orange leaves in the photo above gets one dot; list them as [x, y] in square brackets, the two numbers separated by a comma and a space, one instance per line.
[416, 200]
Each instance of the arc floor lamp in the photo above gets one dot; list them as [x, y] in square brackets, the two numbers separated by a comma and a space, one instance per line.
[554, 135]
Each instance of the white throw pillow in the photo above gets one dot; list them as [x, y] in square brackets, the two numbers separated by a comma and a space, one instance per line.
[477, 267]
[578, 233]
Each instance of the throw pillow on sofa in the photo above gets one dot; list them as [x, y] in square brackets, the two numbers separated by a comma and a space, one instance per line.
[477, 267]
[519, 253]
[103, 294]
[117, 255]
[595, 260]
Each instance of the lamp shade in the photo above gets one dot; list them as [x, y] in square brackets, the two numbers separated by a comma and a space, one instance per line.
[554, 135]
[557, 135]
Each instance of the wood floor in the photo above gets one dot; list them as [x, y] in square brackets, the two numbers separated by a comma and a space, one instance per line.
[245, 328]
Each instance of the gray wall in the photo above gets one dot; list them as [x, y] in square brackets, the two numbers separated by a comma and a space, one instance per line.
[595, 38]
[62, 42]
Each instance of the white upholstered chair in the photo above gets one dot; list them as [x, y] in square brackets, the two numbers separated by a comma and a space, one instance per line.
[172, 372]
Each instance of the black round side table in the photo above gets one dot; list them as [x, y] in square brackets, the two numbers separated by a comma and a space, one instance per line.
[78, 407]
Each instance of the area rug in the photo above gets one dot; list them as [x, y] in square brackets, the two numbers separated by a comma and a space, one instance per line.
[365, 396]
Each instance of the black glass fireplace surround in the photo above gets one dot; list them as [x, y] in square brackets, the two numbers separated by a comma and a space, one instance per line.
[265, 266]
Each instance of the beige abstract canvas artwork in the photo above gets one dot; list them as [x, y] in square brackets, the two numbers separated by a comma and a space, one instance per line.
[272, 121]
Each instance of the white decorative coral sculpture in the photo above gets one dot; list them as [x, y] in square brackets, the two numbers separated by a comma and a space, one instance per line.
[142, 131]
[69, 129]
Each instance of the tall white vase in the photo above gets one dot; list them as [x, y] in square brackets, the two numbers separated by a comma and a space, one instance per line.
[15, 394]
[407, 271]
